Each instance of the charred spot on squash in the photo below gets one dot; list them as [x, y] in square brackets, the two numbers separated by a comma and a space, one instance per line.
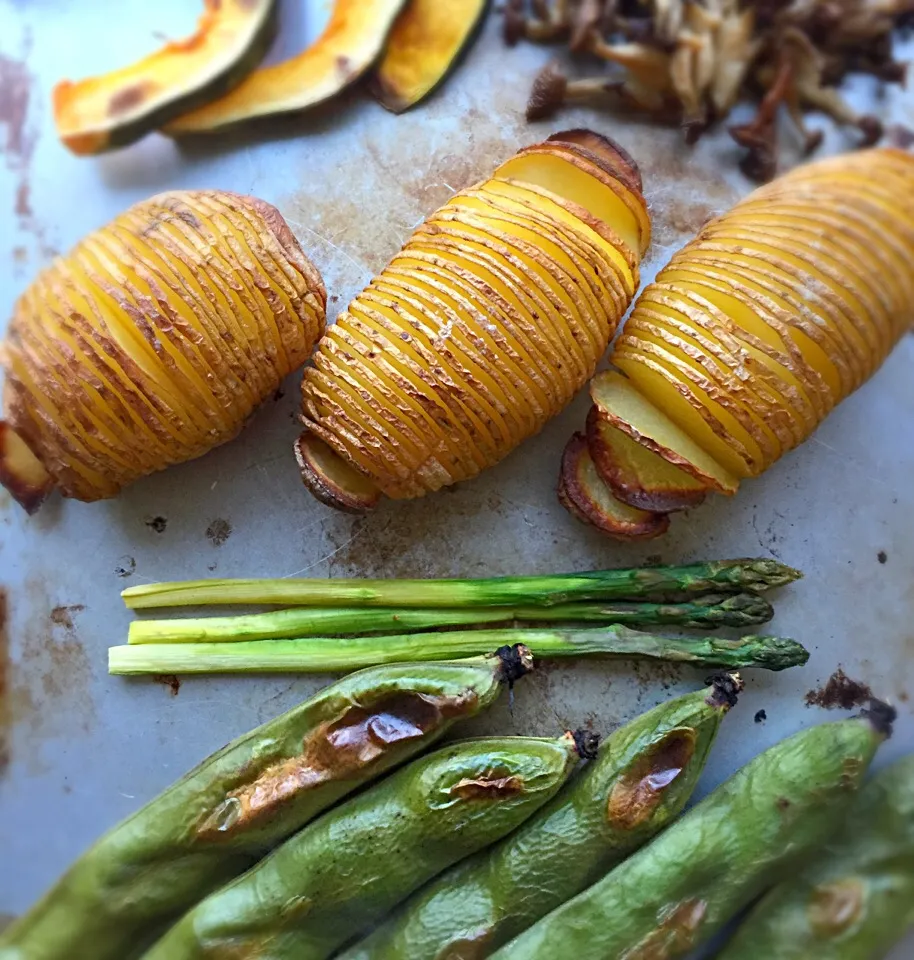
[674, 934]
[130, 97]
[641, 788]
[835, 907]
[490, 786]
[338, 749]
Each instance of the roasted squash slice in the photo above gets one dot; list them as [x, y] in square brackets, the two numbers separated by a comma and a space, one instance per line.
[425, 44]
[115, 109]
[353, 39]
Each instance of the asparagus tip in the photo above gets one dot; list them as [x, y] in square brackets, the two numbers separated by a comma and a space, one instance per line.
[586, 743]
[516, 662]
[881, 715]
[725, 690]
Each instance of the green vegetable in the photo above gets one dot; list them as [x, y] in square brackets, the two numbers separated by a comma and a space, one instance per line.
[325, 654]
[674, 894]
[641, 779]
[344, 872]
[856, 899]
[737, 610]
[226, 813]
[732, 576]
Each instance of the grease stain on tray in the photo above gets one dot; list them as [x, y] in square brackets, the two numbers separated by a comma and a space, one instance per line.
[5, 712]
[49, 682]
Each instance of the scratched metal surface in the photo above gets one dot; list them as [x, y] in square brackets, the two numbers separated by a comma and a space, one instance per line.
[83, 749]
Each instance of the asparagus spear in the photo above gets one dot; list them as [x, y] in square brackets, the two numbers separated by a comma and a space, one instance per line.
[322, 654]
[735, 610]
[732, 576]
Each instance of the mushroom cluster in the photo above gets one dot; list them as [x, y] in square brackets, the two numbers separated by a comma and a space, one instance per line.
[690, 61]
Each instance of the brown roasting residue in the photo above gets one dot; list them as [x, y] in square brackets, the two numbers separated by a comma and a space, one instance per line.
[840, 692]
[674, 934]
[835, 907]
[169, 680]
[62, 616]
[487, 787]
[5, 714]
[338, 749]
[15, 91]
[639, 791]
[218, 532]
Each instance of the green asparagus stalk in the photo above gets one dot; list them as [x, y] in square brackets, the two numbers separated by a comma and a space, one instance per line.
[327, 654]
[654, 583]
[736, 610]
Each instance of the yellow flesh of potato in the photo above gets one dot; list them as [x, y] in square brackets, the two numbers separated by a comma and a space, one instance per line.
[156, 336]
[483, 327]
[779, 309]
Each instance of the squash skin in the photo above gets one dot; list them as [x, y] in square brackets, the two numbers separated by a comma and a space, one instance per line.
[343, 53]
[423, 48]
[88, 141]
[155, 339]
[481, 329]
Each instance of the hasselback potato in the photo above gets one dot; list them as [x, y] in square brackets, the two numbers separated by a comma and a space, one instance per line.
[483, 327]
[151, 342]
[756, 329]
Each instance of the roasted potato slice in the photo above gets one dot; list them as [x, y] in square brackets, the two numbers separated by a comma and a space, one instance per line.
[623, 406]
[634, 474]
[331, 479]
[593, 502]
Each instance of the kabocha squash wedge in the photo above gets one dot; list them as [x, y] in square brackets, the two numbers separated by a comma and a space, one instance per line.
[425, 44]
[115, 109]
[351, 42]
[776, 312]
[151, 342]
[484, 326]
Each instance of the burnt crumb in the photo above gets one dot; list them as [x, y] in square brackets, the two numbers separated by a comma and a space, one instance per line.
[654, 560]
[881, 715]
[169, 680]
[280, 393]
[882, 556]
[157, 524]
[218, 531]
[761, 716]
[335, 298]
[211, 567]
[840, 692]
[125, 567]
[586, 743]
[62, 616]
[725, 690]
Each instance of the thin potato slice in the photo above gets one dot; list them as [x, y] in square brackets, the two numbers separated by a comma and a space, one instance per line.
[634, 474]
[731, 365]
[593, 502]
[331, 479]
[729, 398]
[622, 405]
[728, 422]
[679, 402]
[604, 152]
[567, 175]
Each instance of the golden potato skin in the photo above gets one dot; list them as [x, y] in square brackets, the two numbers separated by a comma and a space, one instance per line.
[779, 308]
[492, 316]
[156, 337]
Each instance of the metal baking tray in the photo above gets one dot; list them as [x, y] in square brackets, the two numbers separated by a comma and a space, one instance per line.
[85, 749]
